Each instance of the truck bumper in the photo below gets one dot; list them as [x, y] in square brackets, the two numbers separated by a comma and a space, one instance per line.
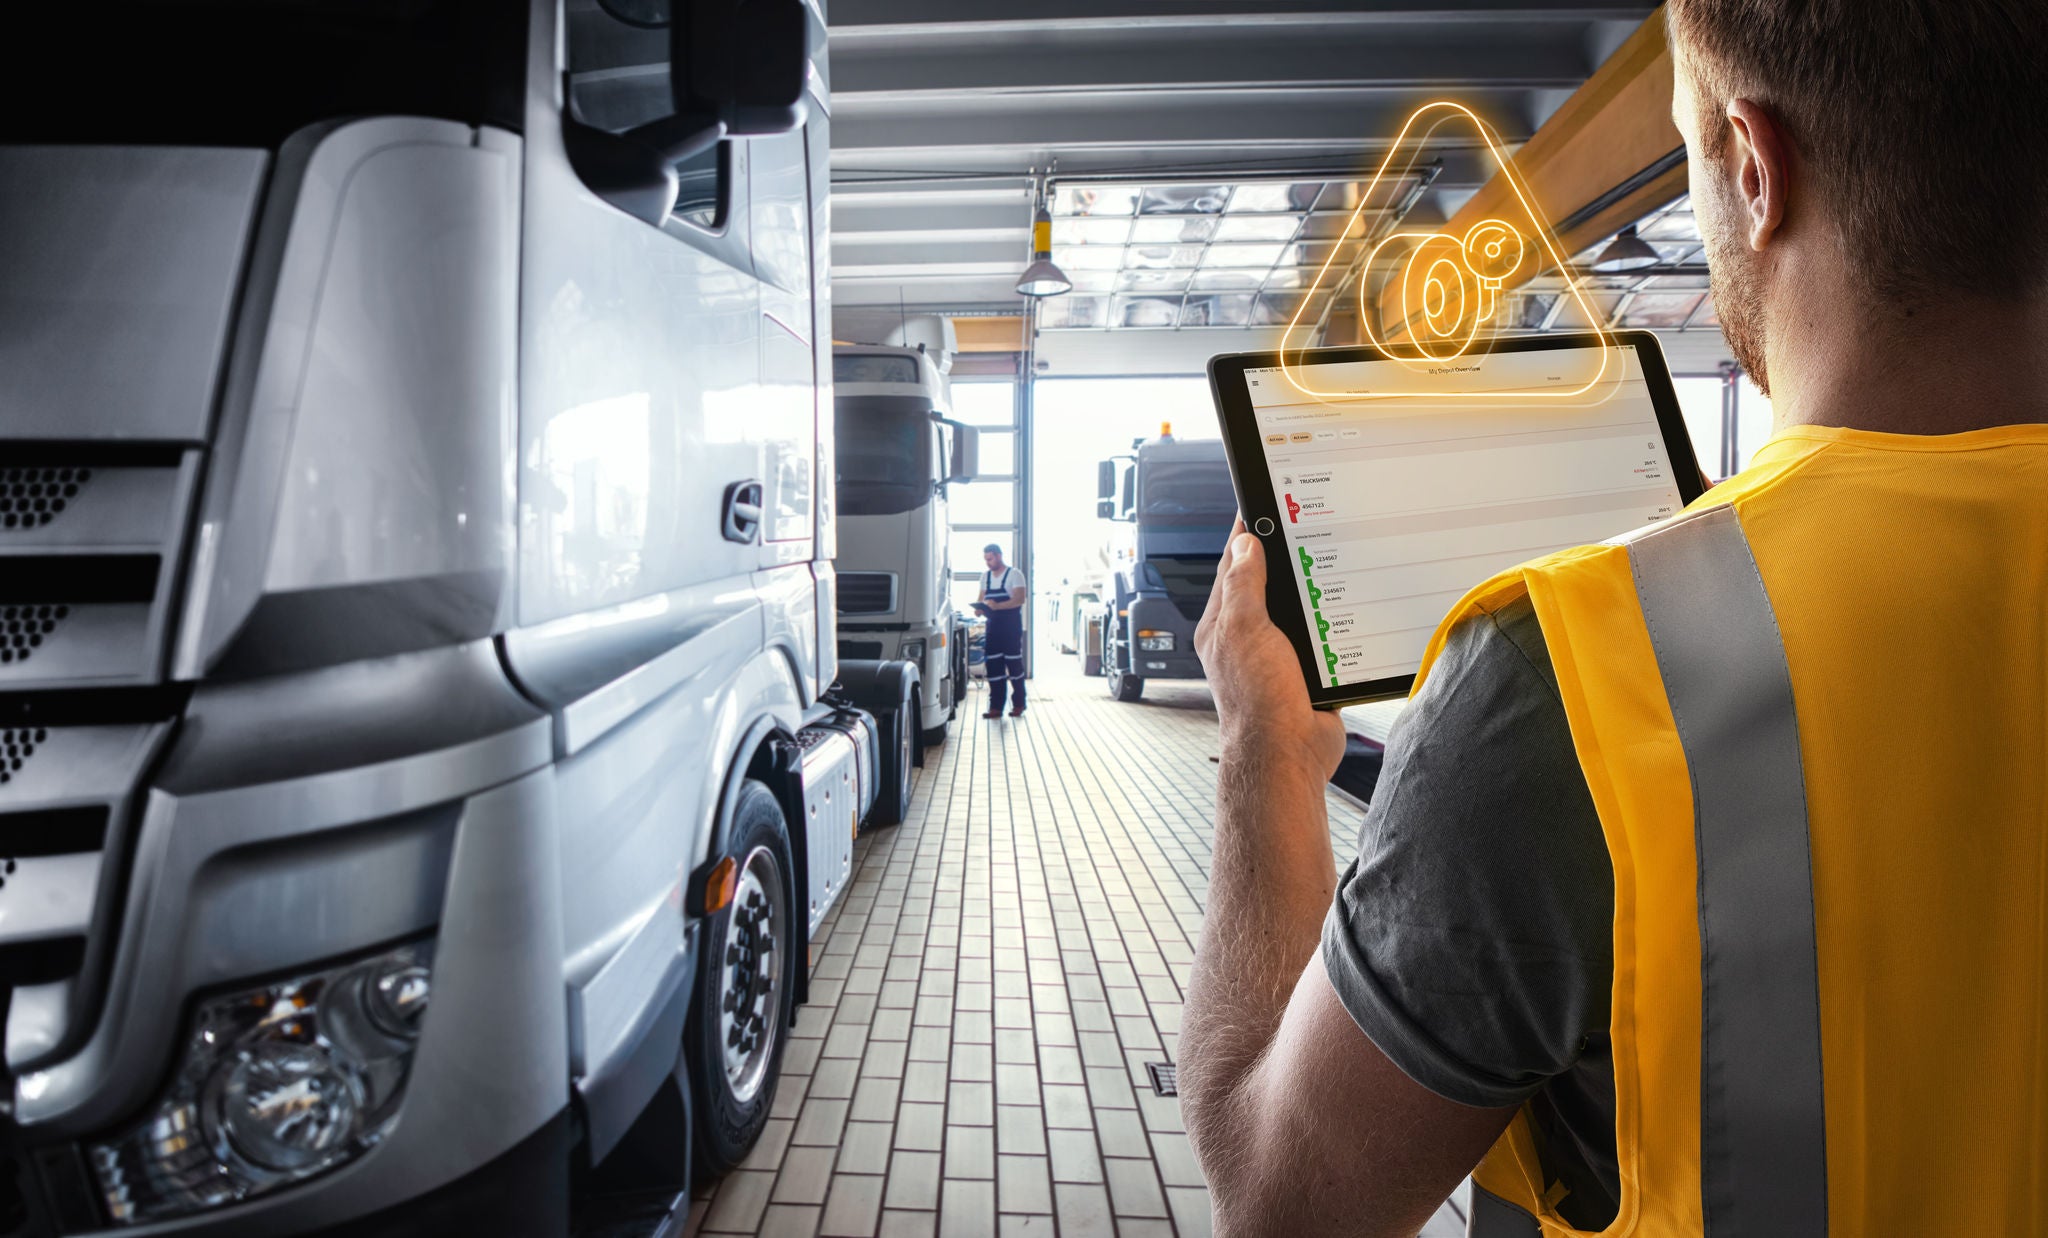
[1158, 614]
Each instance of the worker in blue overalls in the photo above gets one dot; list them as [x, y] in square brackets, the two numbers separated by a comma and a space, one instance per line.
[1002, 599]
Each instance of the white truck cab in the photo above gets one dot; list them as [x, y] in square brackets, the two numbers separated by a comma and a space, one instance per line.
[420, 760]
[898, 452]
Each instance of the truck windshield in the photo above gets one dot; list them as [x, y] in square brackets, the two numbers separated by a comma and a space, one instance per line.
[252, 72]
[1186, 492]
[884, 450]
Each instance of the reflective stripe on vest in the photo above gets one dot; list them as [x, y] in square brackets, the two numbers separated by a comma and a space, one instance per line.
[1763, 1164]
[1763, 1168]
[1494, 1217]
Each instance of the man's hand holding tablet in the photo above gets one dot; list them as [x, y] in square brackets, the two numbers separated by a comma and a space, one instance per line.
[1381, 494]
[1254, 675]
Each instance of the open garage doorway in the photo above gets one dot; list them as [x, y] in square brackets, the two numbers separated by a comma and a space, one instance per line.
[1079, 421]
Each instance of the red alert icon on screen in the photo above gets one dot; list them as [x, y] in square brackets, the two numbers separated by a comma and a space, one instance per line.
[1293, 510]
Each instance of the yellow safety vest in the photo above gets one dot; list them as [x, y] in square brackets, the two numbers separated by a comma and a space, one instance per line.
[1813, 714]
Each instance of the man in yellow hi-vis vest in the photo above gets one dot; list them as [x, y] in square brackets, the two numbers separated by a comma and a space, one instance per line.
[1706, 887]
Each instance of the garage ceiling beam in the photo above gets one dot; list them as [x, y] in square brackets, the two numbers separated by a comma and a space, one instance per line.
[853, 14]
[1357, 117]
[1607, 134]
[1415, 55]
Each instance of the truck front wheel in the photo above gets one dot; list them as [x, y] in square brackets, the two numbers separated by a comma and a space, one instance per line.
[1125, 686]
[733, 1041]
[899, 735]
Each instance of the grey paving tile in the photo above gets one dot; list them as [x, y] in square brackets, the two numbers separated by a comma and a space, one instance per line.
[967, 1209]
[774, 1141]
[921, 1128]
[885, 1059]
[1122, 1133]
[1021, 1129]
[1074, 1157]
[1134, 1188]
[1011, 1226]
[973, 1063]
[1015, 1046]
[806, 1172]
[1161, 1113]
[913, 1181]
[971, 1104]
[789, 1096]
[821, 1124]
[1110, 1088]
[1190, 1208]
[925, 1082]
[790, 1221]
[1023, 1184]
[853, 1208]
[1067, 1106]
[846, 1040]
[1017, 1085]
[970, 1152]
[742, 1198]
[930, 1044]
[1176, 1160]
[1083, 1211]
[834, 1078]
[875, 1100]
[1060, 1064]
[907, 1224]
[865, 1148]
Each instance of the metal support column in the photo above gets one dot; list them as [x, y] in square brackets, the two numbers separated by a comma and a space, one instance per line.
[1020, 496]
[1731, 407]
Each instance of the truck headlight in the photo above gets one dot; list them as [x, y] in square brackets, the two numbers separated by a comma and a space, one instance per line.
[912, 651]
[276, 1084]
[1154, 642]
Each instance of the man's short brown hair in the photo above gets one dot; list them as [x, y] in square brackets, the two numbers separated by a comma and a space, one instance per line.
[1924, 122]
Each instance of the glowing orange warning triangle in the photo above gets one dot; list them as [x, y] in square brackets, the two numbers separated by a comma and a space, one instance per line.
[1449, 292]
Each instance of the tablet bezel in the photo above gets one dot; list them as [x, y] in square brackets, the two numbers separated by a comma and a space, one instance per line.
[1242, 442]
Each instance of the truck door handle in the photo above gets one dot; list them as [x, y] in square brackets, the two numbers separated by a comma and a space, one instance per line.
[742, 520]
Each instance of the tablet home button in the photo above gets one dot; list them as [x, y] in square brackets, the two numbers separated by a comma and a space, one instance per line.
[1263, 526]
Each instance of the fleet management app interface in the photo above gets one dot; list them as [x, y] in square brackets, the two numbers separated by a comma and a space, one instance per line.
[1394, 507]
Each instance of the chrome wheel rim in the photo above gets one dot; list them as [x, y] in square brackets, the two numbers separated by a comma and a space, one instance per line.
[750, 975]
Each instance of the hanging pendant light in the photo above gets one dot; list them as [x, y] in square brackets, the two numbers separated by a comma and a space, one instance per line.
[1626, 252]
[1042, 278]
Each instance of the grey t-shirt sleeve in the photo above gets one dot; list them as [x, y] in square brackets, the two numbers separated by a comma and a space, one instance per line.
[1471, 939]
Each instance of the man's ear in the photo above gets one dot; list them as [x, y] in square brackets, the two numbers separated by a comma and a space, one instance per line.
[1762, 159]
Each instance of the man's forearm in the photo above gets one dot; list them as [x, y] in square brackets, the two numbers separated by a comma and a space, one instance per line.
[1269, 889]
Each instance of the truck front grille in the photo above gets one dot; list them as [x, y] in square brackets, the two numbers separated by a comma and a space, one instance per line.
[85, 532]
[90, 538]
[867, 593]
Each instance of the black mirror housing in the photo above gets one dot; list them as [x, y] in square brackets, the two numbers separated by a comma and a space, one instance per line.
[1105, 509]
[1105, 479]
[741, 63]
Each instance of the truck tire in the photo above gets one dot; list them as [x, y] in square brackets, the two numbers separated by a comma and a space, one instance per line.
[1125, 686]
[899, 753]
[733, 1040]
[960, 680]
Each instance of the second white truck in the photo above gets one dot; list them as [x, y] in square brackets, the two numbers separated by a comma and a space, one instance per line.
[897, 454]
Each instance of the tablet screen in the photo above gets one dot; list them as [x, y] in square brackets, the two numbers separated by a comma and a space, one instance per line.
[1394, 507]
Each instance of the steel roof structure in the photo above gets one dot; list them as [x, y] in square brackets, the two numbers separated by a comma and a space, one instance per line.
[1236, 132]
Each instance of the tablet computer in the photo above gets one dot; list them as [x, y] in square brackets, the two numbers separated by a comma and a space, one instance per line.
[1383, 490]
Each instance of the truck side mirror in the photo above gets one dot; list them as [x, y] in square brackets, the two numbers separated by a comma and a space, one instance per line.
[1105, 479]
[737, 68]
[1105, 509]
[742, 64]
[966, 462]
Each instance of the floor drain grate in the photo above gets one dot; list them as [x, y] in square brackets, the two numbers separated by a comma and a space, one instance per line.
[1165, 1078]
